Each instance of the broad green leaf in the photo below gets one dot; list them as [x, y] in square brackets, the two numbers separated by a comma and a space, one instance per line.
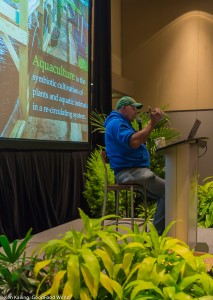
[183, 296]
[84, 294]
[207, 283]
[173, 241]
[91, 262]
[5, 274]
[168, 227]
[168, 280]
[188, 281]
[187, 254]
[14, 245]
[116, 270]
[40, 285]
[110, 241]
[127, 261]
[4, 257]
[141, 285]
[73, 275]
[108, 264]
[169, 292]
[176, 270]
[6, 246]
[53, 246]
[22, 246]
[40, 265]
[54, 291]
[85, 219]
[111, 285]
[67, 291]
[157, 276]
[77, 240]
[89, 280]
[133, 270]
[134, 245]
[146, 268]
[154, 237]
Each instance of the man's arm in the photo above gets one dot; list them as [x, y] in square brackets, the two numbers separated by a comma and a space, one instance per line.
[141, 136]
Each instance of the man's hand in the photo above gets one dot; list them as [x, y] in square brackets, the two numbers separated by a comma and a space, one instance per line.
[140, 137]
[156, 114]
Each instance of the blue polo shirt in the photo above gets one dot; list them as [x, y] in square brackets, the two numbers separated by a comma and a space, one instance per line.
[117, 140]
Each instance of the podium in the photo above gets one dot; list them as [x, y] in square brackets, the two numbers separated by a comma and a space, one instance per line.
[181, 180]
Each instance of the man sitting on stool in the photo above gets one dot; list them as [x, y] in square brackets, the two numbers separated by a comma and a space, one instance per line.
[128, 155]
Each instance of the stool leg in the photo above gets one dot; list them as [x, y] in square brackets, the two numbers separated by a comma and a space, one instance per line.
[104, 205]
[145, 206]
[117, 206]
[132, 207]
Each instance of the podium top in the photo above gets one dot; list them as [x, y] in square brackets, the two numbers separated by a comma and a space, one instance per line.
[201, 141]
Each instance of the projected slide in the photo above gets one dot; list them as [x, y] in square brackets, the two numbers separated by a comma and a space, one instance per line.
[44, 67]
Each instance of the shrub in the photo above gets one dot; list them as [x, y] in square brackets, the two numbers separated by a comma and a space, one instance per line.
[205, 203]
[103, 263]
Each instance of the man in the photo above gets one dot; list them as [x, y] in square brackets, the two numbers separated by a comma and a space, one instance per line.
[128, 155]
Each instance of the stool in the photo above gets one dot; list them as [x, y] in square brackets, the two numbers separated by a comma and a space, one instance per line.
[117, 188]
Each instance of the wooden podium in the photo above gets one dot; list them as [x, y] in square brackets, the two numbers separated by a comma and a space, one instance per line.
[181, 177]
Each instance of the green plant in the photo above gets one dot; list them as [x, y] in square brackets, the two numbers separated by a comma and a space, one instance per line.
[103, 263]
[97, 121]
[16, 269]
[205, 203]
[140, 209]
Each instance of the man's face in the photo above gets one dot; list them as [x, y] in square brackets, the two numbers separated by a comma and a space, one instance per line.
[130, 112]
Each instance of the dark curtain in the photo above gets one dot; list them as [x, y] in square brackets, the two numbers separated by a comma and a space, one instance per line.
[43, 189]
[102, 86]
[40, 190]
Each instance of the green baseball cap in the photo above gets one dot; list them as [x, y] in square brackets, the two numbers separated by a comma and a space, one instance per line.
[126, 100]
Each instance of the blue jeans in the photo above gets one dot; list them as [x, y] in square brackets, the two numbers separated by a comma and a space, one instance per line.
[155, 187]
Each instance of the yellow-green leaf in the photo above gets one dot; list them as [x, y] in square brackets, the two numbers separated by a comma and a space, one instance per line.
[56, 282]
[183, 296]
[144, 285]
[116, 270]
[84, 294]
[187, 254]
[146, 268]
[127, 260]
[73, 274]
[169, 292]
[108, 264]
[111, 285]
[89, 280]
[67, 291]
[110, 241]
[40, 265]
[134, 245]
[92, 263]
[133, 270]
[171, 242]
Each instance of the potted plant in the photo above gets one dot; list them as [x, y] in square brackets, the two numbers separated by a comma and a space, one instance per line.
[16, 269]
[205, 203]
[105, 263]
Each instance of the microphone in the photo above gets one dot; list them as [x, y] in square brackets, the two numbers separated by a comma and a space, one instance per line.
[139, 121]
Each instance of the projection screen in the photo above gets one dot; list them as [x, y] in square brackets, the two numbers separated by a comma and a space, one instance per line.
[45, 73]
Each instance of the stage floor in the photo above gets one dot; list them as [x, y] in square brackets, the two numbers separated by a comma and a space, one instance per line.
[204, 236]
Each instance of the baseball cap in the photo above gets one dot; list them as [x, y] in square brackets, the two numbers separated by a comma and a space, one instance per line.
[126, 100]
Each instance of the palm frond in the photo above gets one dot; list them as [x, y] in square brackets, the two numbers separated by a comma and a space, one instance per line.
[97, 121]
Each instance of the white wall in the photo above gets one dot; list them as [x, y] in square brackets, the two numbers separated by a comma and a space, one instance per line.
[167, 52]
